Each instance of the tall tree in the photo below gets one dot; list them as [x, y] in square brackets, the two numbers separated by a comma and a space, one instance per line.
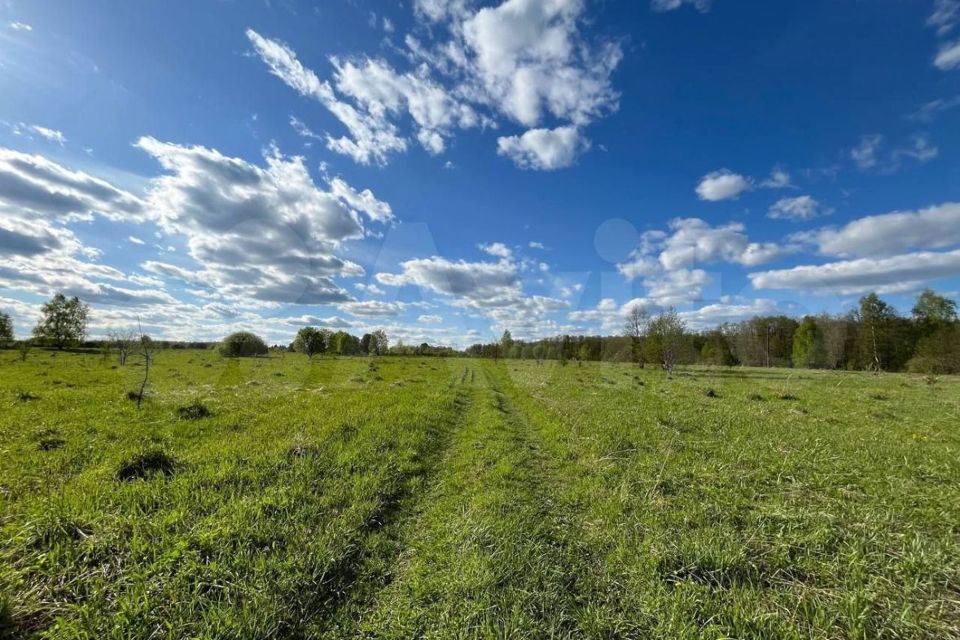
[809, 351]
[635, 327]
[932, 311]
[379, 344]
[665, 339]
[64, 321]
[876, 319]
[506, 343]
[6, 329]
[310, 341]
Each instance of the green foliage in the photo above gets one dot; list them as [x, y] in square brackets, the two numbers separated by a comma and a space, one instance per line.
[6, 329]
[64, 322]
[809, 351]
[939, 352]
[243, 344]
[310, 341]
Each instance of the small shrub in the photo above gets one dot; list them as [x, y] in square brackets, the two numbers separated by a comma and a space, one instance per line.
[196, 410]
[147, 463]
[711, 393]
[243, 344]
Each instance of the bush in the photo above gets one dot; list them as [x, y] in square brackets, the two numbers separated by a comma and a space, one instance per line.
[243, 344]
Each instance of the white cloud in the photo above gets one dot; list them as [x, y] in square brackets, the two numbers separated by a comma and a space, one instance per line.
[796, 209]
[869, 153]
[526, 60]
[865, 155]
[948, 57]
[430, 319]
[722, 185]
[373, 308]
[936, 227]
[363, 201]
[536, 245]
[481, 284]
[945, 16]
[266, 233]
[50, 135]
[34, 184]
[529, 58]
[661, 6]
[371, 139]
[497, 249]
[543, 149]
[381, 91]
[884, 275]
[694, 241]
[369, 288]
[135, 240]
[20, 26]
[932, 109]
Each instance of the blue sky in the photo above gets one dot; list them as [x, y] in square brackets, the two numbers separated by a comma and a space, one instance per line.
[448, 168]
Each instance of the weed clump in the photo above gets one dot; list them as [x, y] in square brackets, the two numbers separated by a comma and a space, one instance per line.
[26, 396]
[147, 463]
[712, 393]
[49, 444]
[787, 396]
[134, 395]
[755, 396]
[196, 410]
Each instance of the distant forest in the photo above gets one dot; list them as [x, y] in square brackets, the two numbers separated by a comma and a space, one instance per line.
[873, 337]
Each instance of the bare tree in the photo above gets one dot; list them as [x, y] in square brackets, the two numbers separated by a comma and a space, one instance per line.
[635, 327]
[123, 342]
[146, 352]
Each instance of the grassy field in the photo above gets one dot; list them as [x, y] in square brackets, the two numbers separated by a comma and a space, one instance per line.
[407, 497]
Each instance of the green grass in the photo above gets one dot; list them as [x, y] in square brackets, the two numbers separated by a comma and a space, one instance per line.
[408, 497]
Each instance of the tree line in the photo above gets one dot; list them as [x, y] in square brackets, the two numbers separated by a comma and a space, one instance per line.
[872, 337]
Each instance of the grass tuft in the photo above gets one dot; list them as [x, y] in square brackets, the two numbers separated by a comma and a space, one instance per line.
[147, 463]
[196, 410]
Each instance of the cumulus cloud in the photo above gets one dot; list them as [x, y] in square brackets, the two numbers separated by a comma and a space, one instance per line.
[373, 308]
[494, 288]
[480, 284]
[884, 275]
[530, 58]
[727, 185]
[887, 234]
[722, 185]
[33, 184]
[371, 138]
[263, 232]
[497, 249]
[382, 91]
[525, 60]
[796, 209]
[543, 149]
